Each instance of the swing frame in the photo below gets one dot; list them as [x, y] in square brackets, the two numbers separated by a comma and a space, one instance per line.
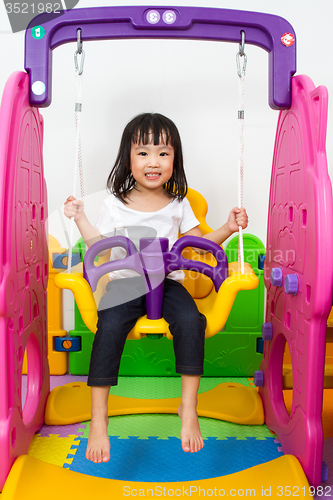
[273, 34]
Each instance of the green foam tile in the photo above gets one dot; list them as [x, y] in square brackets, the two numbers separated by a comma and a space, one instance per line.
[164, 387]
[164, 426]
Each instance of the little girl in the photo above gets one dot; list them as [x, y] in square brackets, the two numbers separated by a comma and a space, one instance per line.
[148, 188]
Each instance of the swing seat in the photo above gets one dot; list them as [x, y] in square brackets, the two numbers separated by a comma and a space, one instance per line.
[215, 305]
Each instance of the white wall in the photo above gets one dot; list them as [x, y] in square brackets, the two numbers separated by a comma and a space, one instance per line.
[192, 82]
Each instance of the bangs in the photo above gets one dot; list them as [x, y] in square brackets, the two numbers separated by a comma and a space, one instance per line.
[147, 128]
[152, 129]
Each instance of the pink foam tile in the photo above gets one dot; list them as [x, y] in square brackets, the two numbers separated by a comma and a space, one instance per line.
[61, 430]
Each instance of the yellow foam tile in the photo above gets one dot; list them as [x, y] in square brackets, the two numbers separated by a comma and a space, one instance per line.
[53, 449]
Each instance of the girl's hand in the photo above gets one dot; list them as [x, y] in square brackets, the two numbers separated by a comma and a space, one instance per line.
[237, 217]
[73, 208]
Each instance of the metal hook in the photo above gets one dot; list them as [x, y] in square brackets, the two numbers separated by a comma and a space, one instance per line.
[242, 44]
[241, 53]
[79, 41]
[79, 51]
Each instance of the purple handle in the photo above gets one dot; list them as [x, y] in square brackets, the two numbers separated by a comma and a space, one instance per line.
[272, 33]
[152, 256]
[174, 259]
[154, 263]
[93, 273]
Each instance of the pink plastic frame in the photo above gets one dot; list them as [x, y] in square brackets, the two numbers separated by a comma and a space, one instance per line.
[23, 272]
[299, 242]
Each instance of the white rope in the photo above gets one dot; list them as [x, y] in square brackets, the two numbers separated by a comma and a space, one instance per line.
[241, 69]
[241, 82]
[78, 168]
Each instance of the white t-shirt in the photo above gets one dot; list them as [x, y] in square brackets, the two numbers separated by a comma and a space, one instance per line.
[115, 218]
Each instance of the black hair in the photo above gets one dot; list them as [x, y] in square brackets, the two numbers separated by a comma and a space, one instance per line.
[140, 131]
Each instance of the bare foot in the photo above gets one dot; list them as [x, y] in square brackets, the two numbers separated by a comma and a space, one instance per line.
[98, 448]
[190, 433]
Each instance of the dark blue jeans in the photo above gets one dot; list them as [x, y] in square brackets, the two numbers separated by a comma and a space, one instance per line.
[119, 309]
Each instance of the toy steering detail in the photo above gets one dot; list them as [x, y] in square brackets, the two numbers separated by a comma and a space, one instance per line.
[154, 263]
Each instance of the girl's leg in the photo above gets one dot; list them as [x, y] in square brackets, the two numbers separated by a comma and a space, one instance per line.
[187, 326]
[118, 312]
[190, 434]
[98, 448]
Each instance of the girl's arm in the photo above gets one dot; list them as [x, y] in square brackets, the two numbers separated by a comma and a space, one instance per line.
[237, 217]
[74, 208]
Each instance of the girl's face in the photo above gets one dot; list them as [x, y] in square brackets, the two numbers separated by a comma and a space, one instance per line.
[152, 165]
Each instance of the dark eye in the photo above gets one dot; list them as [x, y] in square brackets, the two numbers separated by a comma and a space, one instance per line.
[163, 154]
[142, 153]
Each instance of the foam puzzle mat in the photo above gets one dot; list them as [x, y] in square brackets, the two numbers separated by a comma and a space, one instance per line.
[148, 448]
[155, 460]
[156, 438]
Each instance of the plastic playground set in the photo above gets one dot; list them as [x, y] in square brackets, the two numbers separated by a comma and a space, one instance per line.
[269, 343]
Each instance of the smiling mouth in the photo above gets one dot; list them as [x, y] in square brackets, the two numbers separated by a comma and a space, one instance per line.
[154, 175]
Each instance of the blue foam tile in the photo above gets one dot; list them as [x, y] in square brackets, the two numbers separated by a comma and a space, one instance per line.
[155, 460]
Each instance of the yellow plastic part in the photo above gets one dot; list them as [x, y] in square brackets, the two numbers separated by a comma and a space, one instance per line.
[197, 284]
[32, 479]
[216, 306]
[82, 294]
[57, 360]
[229, 401]
[200, 209]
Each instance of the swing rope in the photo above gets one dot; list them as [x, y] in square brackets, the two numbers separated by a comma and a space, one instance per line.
[78, 168]
[241, 69]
